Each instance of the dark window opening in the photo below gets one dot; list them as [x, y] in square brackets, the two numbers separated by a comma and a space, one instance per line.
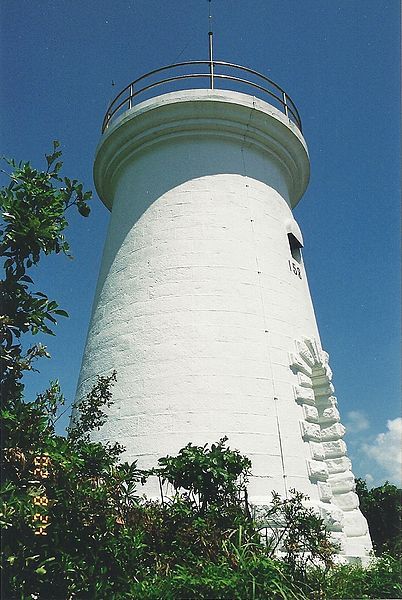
[295, 247]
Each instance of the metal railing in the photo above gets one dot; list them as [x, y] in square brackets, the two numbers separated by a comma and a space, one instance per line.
[224, 72]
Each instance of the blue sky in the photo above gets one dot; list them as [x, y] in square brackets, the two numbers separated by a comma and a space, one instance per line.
[339, 60]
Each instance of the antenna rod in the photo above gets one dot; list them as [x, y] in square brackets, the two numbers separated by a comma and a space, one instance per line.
[210, 40]
[211, 62]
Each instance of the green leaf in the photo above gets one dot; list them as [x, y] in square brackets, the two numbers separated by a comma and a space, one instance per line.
[84, 209]
[61, 312]
[26, 278]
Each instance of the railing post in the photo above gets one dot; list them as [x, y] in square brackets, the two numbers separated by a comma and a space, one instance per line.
[130, 100]
[285, 106]
[211, 61]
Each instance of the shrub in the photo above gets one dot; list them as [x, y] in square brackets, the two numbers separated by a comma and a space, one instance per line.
[382, 507]
[208, 476]
[255, 577]
[381, 579]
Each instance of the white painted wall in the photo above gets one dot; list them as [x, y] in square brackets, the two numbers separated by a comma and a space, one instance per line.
[197, 305]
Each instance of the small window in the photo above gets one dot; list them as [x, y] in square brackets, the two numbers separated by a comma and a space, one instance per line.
[295, 246]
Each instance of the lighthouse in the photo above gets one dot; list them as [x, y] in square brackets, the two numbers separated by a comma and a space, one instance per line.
[202, 304]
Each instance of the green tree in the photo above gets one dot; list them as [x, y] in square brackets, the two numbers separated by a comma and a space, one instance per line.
[382, 507]
[33, 220]
[209, 476]
[64, 500]
[299, 533]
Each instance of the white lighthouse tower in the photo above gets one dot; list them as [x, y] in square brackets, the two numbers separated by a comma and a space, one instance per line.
[202, 304]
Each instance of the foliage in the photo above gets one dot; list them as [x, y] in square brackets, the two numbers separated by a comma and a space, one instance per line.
[382, 507]
[209, 476]
[80, 496]
[90, 415]
[64, 501]
[298, 533]
[260, 577]
[380, 579]
[33, 221]
[257, 576]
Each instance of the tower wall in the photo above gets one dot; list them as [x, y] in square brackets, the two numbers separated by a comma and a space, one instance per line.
[200, 303]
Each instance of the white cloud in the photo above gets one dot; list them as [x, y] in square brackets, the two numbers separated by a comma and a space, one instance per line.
[356, 421]
[369, 479]
[386, 450]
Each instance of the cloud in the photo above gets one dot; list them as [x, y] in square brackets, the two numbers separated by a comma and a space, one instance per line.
[369, 479]
[386, 450]
[356, 421]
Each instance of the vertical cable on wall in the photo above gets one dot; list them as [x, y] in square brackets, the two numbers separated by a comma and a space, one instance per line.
[280, 446]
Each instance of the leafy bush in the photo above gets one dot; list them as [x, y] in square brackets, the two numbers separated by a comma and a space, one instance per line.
[382, 507]
[255, 577]
[298, 533]
[209, 476]
[63, 500]
[33, 221]
[381, 579]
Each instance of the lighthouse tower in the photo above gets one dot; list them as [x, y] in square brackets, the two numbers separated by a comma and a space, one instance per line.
[202, 304]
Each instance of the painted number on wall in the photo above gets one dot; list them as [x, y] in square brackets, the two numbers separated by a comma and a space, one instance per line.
[295, 269]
